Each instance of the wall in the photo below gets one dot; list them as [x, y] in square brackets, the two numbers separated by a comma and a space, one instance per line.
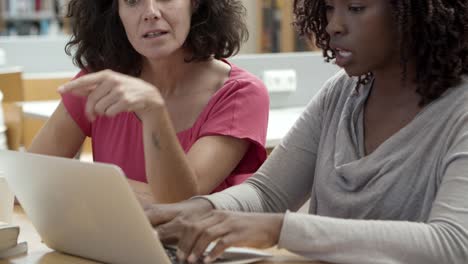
[251, 45]
[46, 55]
[37, 54]
[311, 71]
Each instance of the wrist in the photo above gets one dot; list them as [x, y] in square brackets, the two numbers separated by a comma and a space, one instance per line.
[153, 101]
[151, 110]
[199, 204]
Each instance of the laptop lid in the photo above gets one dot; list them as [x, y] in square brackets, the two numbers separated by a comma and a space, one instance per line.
[83, 209]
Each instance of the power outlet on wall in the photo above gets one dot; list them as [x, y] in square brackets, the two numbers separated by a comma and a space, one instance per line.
[284, 80]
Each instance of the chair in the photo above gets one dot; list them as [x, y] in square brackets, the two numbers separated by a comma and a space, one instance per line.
[40, 87]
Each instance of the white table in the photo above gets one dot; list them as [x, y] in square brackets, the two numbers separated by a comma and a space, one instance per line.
[39, 109]
[39, 253]
[279, 123]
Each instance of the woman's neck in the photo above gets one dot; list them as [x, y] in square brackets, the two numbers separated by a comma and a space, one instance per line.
[392, 84]
[170, 74]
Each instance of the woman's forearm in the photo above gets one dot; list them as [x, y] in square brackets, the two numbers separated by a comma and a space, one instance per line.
[169, 175]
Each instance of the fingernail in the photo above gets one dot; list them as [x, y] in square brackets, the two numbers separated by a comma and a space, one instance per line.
[207, 259]
[192, 258]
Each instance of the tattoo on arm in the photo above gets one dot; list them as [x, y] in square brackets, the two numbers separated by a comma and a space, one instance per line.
[155, 140]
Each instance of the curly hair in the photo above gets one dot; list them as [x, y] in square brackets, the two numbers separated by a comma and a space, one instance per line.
[99, 40]
[440, 50]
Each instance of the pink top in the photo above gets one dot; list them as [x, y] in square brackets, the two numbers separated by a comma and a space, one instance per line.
[238, 109]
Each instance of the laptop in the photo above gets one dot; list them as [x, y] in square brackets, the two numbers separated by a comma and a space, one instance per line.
[89, 210]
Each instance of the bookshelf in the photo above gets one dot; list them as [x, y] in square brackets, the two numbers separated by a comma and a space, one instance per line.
[276, 33]
[33, 17]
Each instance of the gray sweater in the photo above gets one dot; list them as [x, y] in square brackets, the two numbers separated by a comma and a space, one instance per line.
[406, 202]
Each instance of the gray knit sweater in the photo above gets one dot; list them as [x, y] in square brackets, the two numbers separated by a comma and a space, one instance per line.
[406, 202]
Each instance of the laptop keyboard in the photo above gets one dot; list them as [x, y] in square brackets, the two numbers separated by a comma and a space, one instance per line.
[172, 254]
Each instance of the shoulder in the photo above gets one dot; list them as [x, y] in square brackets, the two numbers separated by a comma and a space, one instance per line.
[245, 84]
[448, 117]
[74, 102]
[454, 99]
[452, 108]
[459, 93]
[337, 90]
[340, 84]
[244, 79]
[81, 73]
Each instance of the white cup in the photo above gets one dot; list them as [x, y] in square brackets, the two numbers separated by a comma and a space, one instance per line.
[7, 199]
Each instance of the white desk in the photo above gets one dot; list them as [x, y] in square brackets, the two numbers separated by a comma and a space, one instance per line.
[39, 109]
[279, 123]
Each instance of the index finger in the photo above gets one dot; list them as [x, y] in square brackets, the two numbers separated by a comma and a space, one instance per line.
[82, 86]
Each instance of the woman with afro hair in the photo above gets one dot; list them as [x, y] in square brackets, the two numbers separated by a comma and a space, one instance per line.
[381, 152]
[158, 97]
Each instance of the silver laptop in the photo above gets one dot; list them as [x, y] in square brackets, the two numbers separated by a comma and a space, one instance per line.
[88, 210]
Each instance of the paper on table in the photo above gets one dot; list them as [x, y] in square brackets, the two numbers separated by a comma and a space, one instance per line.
[234, 255]
[20, 248]
[239, 255]
[7, 199]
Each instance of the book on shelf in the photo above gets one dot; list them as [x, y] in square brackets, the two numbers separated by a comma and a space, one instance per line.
[277, 33]
[26, 6]
[31, 17]
[9, 245]
[270, 26]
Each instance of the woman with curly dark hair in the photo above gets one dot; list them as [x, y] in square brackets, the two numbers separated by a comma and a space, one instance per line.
[381, 152]
[158, 98]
